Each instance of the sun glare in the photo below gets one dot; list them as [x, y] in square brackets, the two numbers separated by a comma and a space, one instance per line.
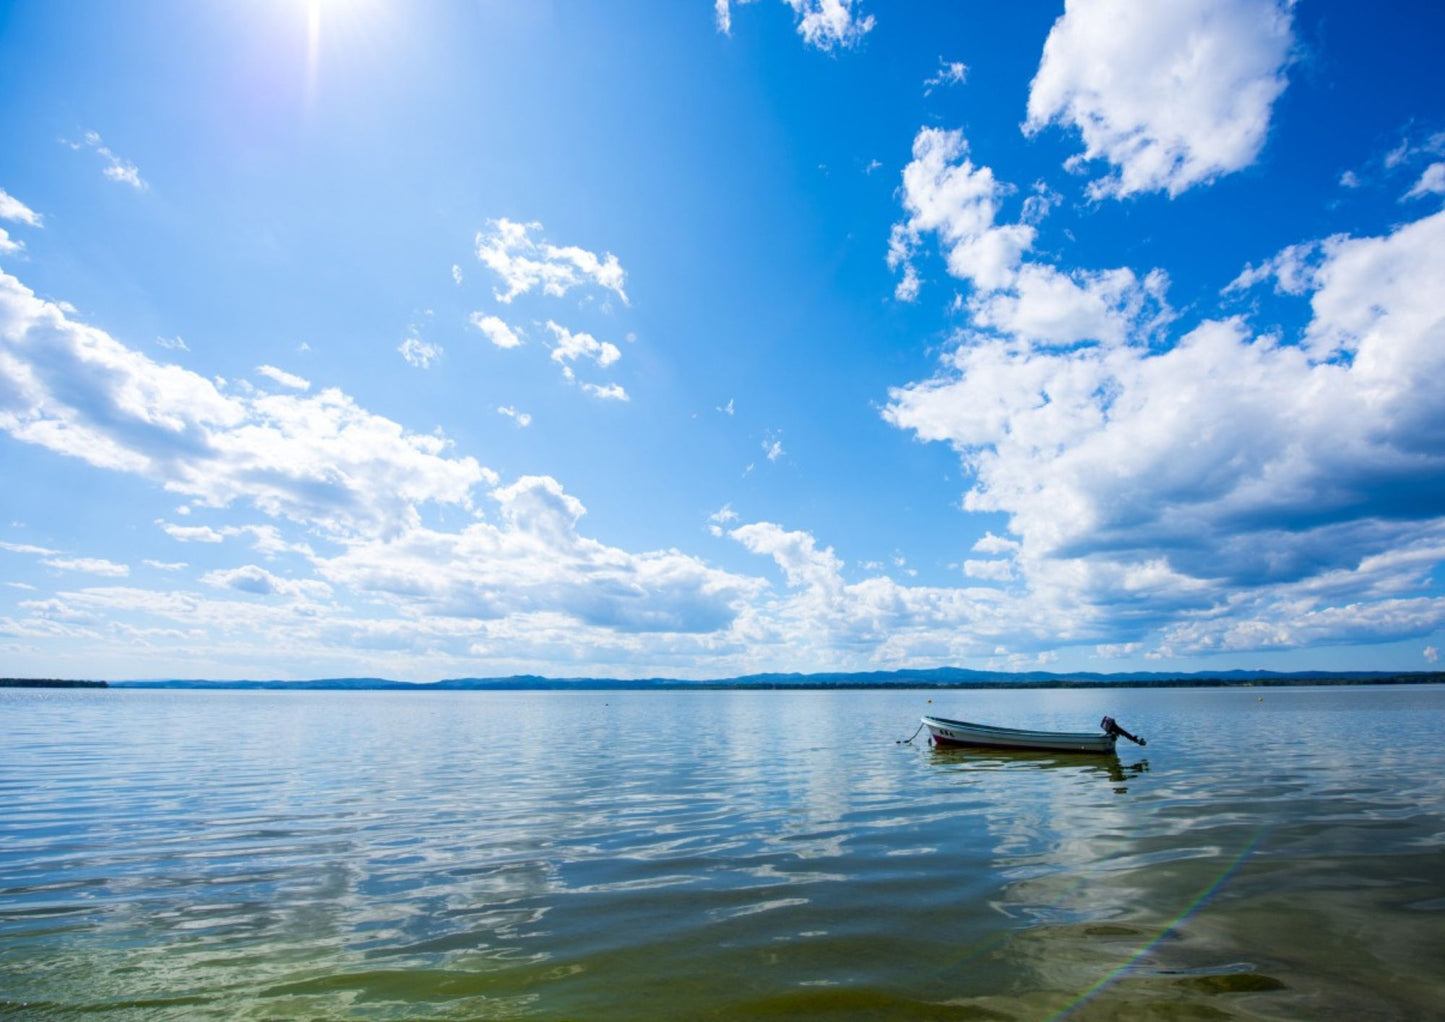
[326, 21]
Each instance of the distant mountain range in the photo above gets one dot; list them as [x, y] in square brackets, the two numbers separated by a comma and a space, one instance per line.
[941, 677]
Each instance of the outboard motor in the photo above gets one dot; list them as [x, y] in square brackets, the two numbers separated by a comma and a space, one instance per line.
[1111, 727]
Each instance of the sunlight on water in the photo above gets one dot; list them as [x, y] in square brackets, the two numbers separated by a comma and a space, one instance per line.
[183, 855]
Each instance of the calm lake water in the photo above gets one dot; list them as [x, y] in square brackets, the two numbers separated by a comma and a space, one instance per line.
[1272, 853]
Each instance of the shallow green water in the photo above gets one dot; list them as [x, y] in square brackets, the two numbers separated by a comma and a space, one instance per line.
[1274, 853]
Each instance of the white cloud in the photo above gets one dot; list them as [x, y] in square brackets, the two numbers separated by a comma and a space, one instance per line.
[176, 343]
[992, 570]
[284, 378]
[944, 194]
[1230, 491]
[1432, 182]
[254, 579]
[773, 445]
[14, 210]
[573, 346]
[951, 72]
[1409, 150]
[507, 248]
[522, 419]
[722, 516]
[878, 622]
[496, 331]
[796, 553]
[949, 198]
[317, 459]
[723, 16]
[611, 392]
[192, 533]
[991, 544]
[165, 565]
[1038, 205]
[418, 352]
[909, 284]
[535, 562]
[88, 565]
[1047, 307]
[1291, 269]
[827, 24]
[27, 548]
[1172, 95]
[456, 274]
[1431, 654]
[116, 168]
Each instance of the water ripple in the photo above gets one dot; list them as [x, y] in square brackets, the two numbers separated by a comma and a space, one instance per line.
[391, 855]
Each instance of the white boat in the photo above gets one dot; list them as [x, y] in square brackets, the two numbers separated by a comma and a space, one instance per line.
[962, 732]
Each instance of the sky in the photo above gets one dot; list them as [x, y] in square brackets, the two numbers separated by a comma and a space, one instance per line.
[698, 338]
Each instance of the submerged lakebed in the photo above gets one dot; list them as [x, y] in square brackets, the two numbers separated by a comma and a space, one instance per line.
[723, 854]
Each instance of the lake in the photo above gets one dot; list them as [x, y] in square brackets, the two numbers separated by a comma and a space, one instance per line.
[1272, 853]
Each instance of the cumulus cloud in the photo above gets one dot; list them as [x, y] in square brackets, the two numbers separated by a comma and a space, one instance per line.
[317, 459]
[879, 623]
[533, 561]
[251, 578]
[524, 263]
[573, 346]
[949, 199]
[496, 331]
[830, 24]
[945, 195]
[1229, 491]
[1171, 95]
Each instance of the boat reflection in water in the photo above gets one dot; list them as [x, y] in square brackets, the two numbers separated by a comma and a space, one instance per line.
[974, 758]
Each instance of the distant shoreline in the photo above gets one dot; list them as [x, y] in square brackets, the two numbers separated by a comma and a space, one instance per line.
[49, 683]
[942, 678]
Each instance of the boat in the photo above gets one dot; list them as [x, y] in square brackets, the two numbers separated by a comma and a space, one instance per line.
[961, 732]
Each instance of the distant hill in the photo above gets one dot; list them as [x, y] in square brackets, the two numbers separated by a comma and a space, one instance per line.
[941, 677]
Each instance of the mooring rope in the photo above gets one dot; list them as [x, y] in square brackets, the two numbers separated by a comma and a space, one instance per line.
[909, 739]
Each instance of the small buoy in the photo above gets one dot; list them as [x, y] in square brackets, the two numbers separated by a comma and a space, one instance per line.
[930, 700]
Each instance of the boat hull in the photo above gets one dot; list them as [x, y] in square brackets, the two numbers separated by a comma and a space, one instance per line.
[962, 732]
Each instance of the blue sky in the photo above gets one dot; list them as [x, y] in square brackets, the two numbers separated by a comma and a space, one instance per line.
[690, 338]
